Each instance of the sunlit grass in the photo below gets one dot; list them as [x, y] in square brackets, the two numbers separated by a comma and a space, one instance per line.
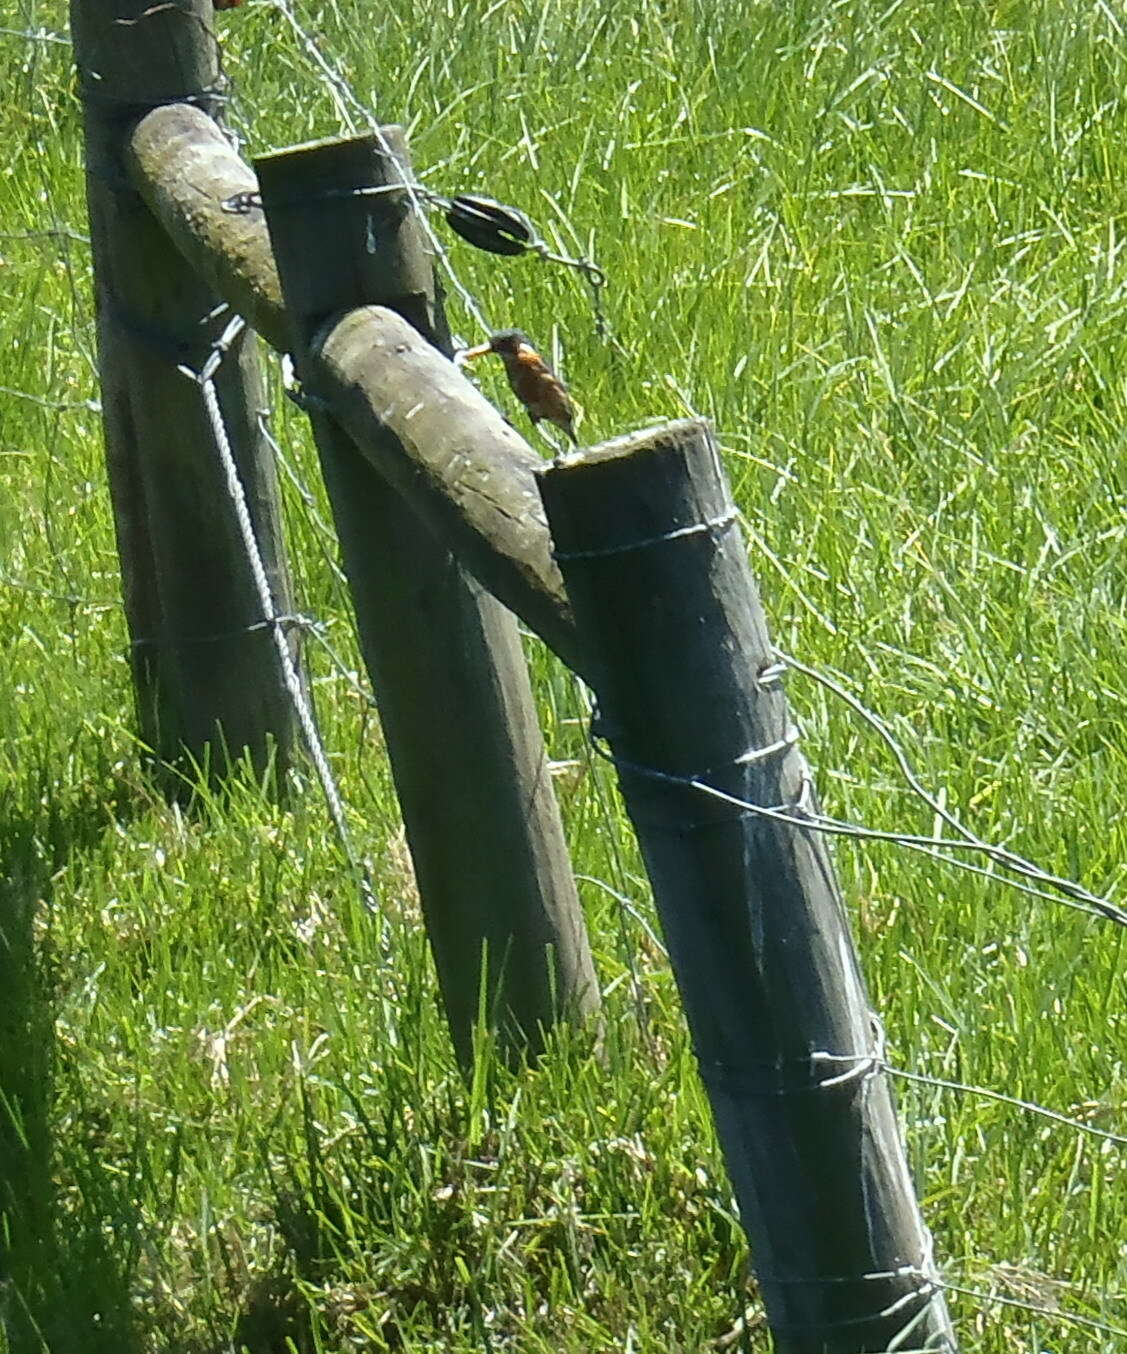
[882, 246]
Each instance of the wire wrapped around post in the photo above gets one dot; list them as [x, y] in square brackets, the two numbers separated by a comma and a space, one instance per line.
[209, 688]
[689, 699]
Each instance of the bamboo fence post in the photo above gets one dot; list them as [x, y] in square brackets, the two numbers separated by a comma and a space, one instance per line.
[206, 674]
[444, 657]
[687, 685]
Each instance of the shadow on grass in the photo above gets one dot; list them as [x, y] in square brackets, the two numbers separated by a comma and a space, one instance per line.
[64, 1282]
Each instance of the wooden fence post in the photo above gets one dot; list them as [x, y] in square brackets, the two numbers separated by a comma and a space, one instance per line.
[207, 678]
[687, 685]
[466, 471]
[444, 657]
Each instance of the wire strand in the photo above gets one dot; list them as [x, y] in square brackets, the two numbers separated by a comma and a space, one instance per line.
[1051, 1313]
[799, 815]
[344, 97]
[290, 676]
[1029, 1106]
[1010, 859]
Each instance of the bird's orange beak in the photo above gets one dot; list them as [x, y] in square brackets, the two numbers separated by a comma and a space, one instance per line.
[469, 354]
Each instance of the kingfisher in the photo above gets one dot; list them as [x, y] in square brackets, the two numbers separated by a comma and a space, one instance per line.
[533, 381]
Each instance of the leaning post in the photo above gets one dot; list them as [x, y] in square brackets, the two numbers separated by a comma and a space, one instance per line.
[468, 473]
[206, 674]
[444, 657]
[689, 697]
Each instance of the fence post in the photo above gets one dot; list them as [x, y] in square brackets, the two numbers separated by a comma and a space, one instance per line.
[466, 471]
[444, 657]
[687, 684]
[207, 687]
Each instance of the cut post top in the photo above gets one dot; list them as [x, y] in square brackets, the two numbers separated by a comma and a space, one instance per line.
[654, 439]
[650, 483]
[331, 162]
[339, 241]
[133, 54]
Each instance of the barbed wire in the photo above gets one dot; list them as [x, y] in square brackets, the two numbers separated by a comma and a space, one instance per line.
[484, 222]
[508, 230]
[986, 1093]
[873, 1062]
[794, 815]
[87, 603]
[346, 103]
[346, 98]
[205, 380]
[37, 35]
[1034, 1308]
[802, 813]
[326, 540]
[323, 531]
[342, 91]
[628, 906]
[348, 674]
[48, 233]
[57, 406]
[929, 1283]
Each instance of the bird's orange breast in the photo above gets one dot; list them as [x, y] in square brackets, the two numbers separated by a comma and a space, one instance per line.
[534, 382]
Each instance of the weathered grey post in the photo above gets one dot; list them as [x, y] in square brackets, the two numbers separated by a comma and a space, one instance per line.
[444, 657]
[206, 675]
[687, 685]
[468, 474]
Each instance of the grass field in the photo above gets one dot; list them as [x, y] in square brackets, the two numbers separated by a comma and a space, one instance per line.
[882, 246]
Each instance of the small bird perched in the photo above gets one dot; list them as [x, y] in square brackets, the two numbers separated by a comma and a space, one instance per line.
[534, 383]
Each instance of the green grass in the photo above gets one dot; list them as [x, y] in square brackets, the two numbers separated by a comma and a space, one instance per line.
[882, 245]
